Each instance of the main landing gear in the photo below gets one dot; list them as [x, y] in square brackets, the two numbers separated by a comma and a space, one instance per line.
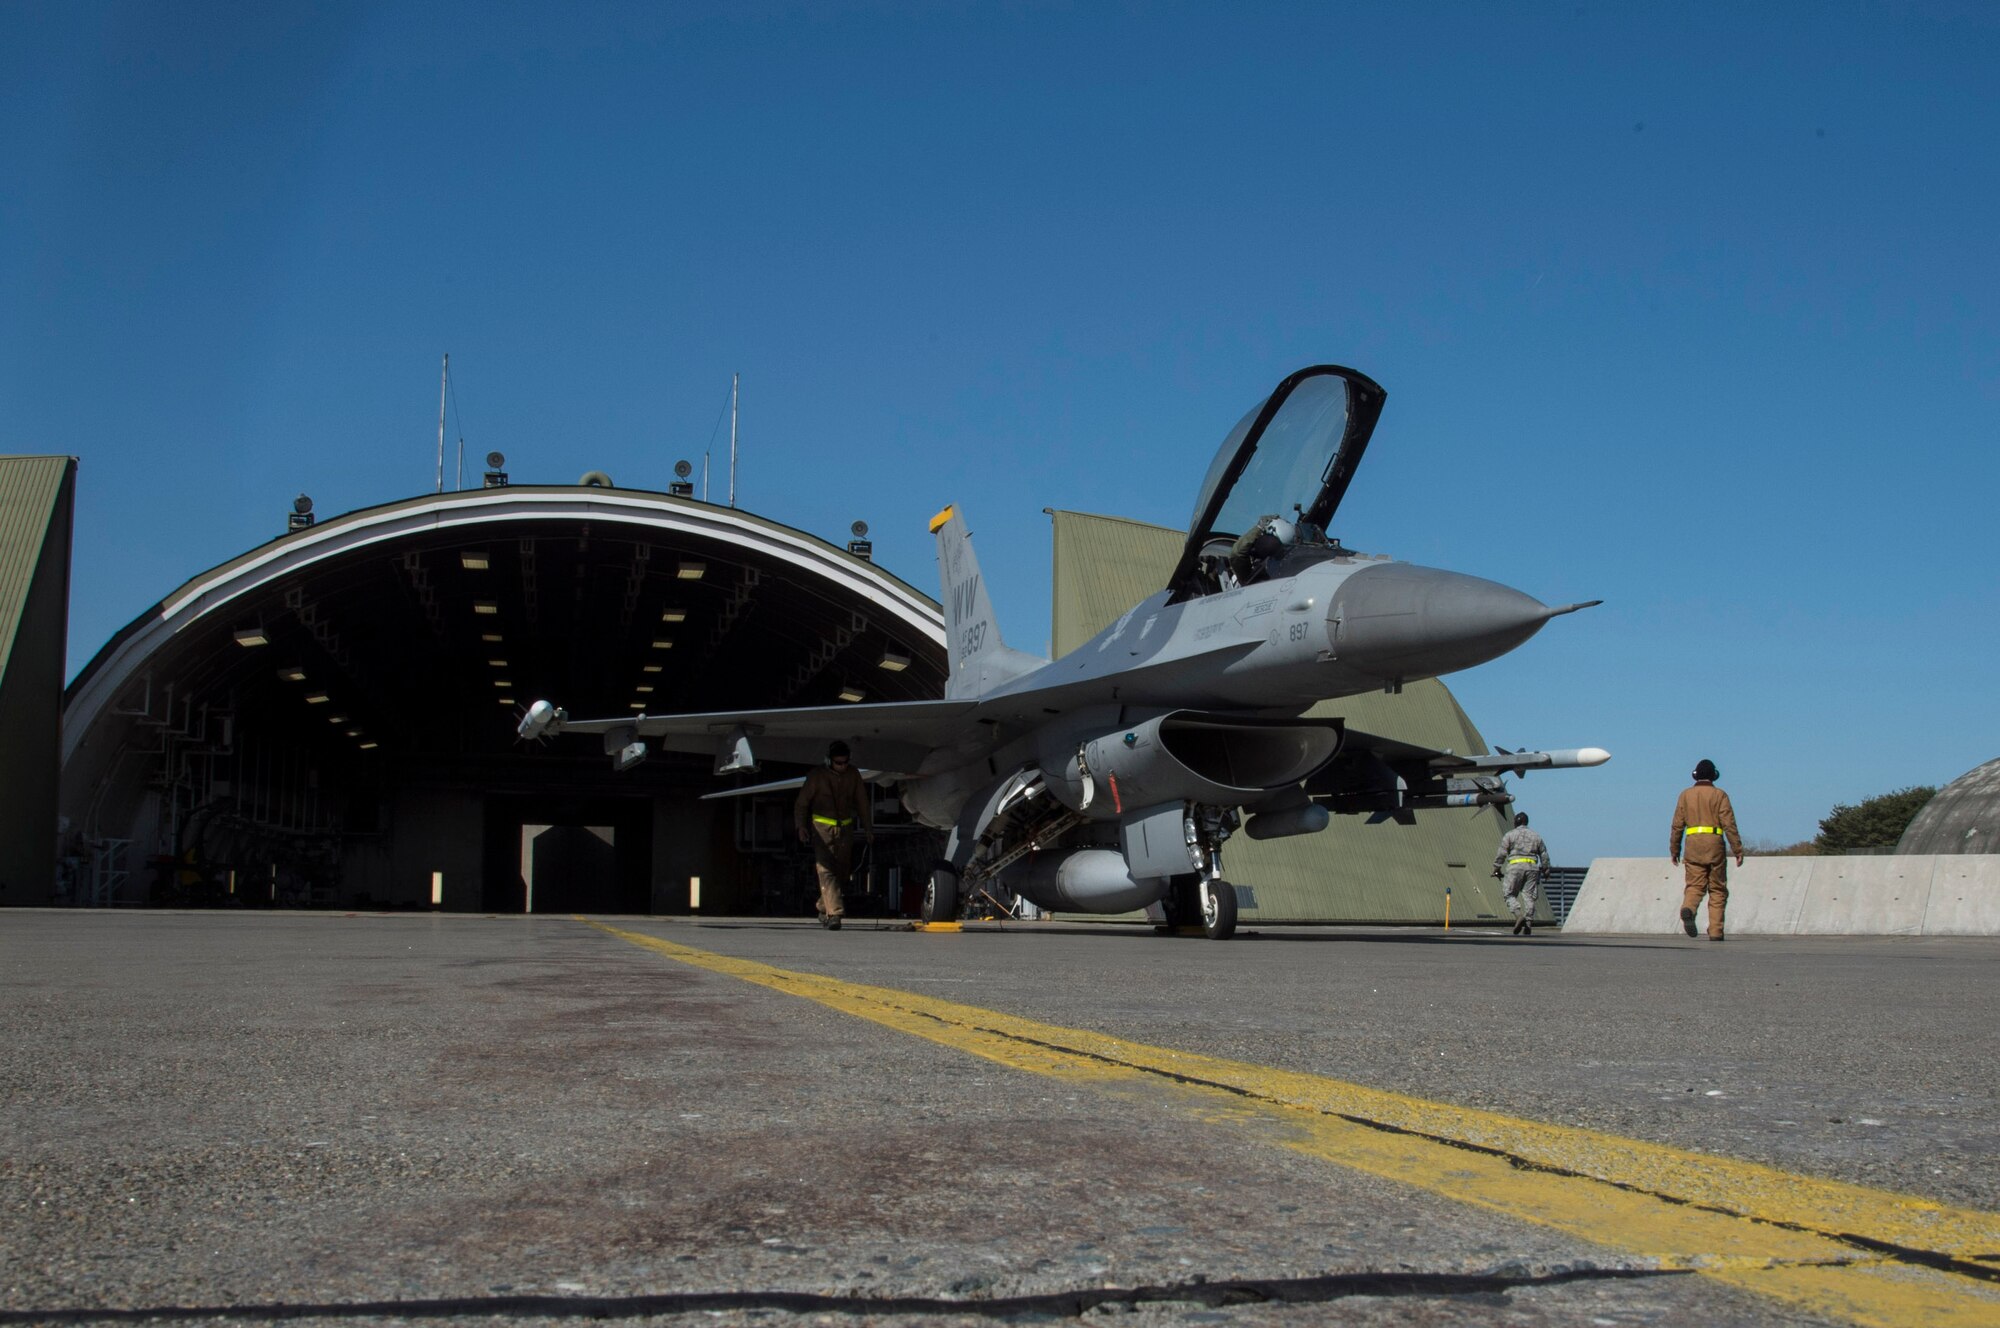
[941, 894]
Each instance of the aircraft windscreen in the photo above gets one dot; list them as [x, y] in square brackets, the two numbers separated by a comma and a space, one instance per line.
[1291, 460]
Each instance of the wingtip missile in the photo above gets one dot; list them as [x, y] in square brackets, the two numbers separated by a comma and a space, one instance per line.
[542, 720]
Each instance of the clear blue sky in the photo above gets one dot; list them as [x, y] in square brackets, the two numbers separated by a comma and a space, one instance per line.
[1691, 307]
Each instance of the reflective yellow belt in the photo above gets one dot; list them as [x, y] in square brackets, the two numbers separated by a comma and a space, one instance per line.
[1512, 861]
[828, 820]
[1703, 830]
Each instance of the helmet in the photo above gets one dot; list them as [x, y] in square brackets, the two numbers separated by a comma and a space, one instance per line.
[1705, 769]
[1286, 532]
[1520, 818]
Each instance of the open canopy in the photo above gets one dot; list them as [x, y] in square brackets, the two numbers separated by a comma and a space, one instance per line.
[1292, 457]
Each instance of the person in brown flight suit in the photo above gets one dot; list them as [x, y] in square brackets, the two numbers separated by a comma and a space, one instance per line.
[831, 804]
[1703, 818]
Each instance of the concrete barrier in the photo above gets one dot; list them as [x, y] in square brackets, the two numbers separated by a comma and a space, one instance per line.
[1913, 895]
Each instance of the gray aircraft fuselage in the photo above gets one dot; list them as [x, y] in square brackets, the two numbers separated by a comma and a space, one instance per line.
[1350, 624]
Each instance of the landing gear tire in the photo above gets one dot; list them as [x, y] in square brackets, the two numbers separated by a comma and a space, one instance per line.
[941, 895]
[1218, 910]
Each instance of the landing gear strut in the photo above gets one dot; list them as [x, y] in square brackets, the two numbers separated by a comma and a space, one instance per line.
[1206, 829]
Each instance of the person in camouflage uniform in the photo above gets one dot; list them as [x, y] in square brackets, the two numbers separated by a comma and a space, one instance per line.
[1523, 862]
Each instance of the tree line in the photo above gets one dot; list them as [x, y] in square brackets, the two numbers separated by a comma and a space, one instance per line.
[1877, 823]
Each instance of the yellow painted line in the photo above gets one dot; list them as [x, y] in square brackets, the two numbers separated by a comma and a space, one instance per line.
[1824, 1246]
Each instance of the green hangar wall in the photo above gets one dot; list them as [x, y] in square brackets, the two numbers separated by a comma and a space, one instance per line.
[37, 498]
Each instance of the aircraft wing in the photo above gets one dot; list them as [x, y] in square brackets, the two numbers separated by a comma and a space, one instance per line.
[891, 736]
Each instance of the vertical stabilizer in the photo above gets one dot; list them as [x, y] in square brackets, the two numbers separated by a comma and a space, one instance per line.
[980, 661]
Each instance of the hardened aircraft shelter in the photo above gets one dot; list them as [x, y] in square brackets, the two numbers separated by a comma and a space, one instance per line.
[328, 720]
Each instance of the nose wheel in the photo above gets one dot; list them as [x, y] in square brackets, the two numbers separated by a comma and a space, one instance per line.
[1218, 909]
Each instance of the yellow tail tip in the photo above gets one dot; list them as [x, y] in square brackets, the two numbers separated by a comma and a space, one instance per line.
[951, 510]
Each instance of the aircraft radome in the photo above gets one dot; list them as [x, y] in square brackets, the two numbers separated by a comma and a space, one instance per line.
[1111, 778]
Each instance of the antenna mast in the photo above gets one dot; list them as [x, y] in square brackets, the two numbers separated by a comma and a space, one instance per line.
[443, 375]
[733, 379]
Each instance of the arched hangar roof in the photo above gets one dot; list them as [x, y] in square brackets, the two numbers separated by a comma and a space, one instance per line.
[1963, 817]
[425, 624]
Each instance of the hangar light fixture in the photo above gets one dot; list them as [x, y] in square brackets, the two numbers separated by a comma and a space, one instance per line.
[336, 719]
[643, 687]
[369, 746]
[497, 663]
[490, 638]
[473, 560]
[354, 733]
[663, 644]
[851, 693]
[502, 682]
[691, 571]
[637, 705]
[506, 700]
[654, 668]
[673, 615]
[292, 673]
[317, 698]
[893, 662]
[485, 606]
[251, 636]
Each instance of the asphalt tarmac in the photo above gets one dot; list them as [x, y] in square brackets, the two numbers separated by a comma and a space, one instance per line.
[323, 1118]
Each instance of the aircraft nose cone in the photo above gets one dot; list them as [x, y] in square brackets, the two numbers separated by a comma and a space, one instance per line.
[1398, 621]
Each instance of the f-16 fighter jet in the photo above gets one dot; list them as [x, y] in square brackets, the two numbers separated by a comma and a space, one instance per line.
[1110, 779]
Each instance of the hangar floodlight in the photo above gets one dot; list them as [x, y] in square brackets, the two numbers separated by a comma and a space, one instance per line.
[369, 746]
[336, 719]
[354, 733]
[251, 636]
[490, 638]
[691, 571]
[643, 688]
[893, 661]
[663, 644]
[497, 663]
[851, 693]
[317, 698]
[292, 673]
[654, 668]
[502, 682]
[473, 560]
[506, 700]
[485, 606]
[637, 705]
[673, 615]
